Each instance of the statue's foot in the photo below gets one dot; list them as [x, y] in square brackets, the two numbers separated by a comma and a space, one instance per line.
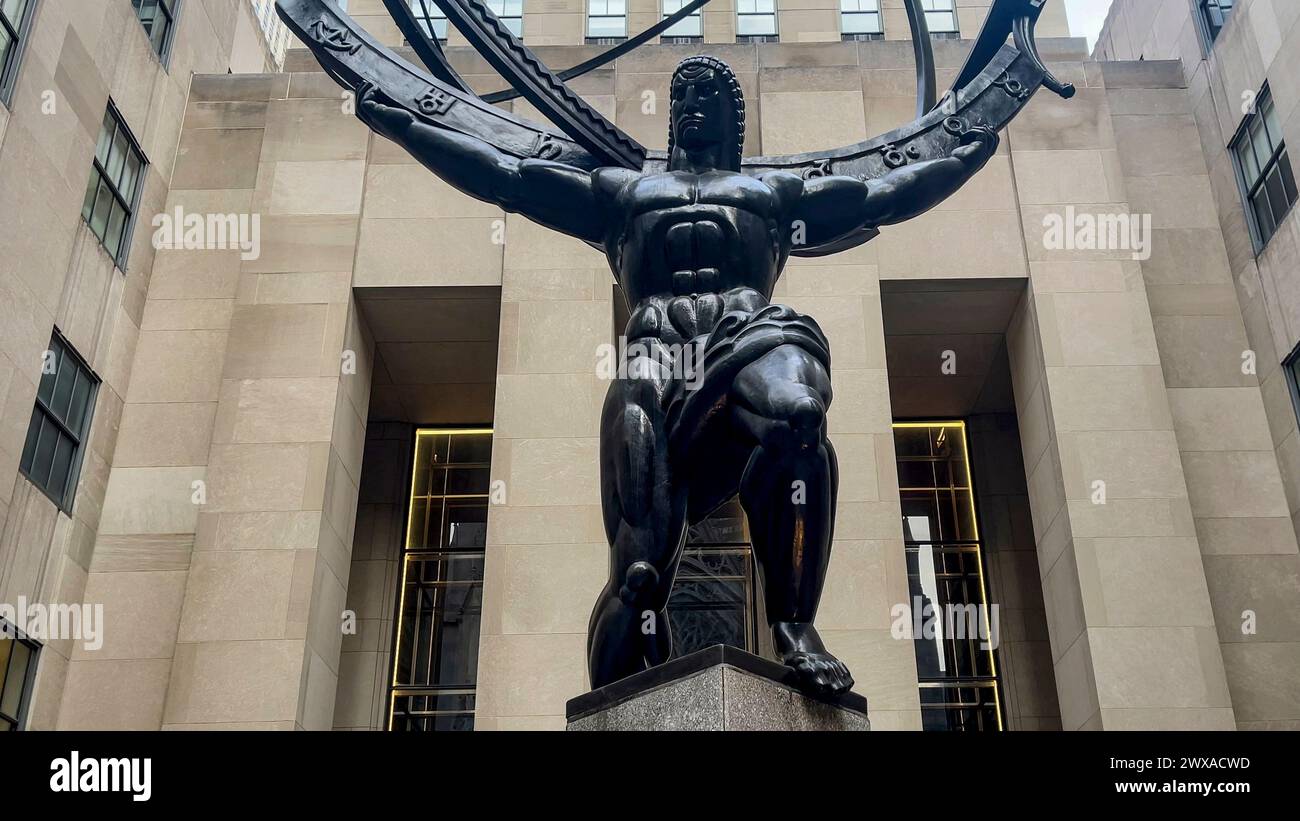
[801, 649]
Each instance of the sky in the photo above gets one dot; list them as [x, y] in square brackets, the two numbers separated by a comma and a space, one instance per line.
[1086, 17]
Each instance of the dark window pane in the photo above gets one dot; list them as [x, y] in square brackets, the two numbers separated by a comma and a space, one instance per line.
[435, 667]
[6, 646]
[33, 436]
[433, 712]
[117, 157]
[442, 608]
[51, 456]
[471, 448]
[51, 364]
[130, 177]
[724, 526]
[464, 481]
[713, 599]
[61, 467]
[465, 524]
[1263, 148]
[1277, 194]
[6, 46]
[158, 36]
[119, 169]
[44, 458]
[1268, 113]
[63, 385]
[1249, 168]
[103, 208]
[147, 11]
[707, 609]
[116, 228]
[13, 11]
[91, 188]
[945, 579]
[1288, 176]
[16, 677]
[1264, 215]
[80, 403]
[105, 138]
[418, 526]
[11, 31]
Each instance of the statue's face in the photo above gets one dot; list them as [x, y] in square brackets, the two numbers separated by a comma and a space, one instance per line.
[699, 110]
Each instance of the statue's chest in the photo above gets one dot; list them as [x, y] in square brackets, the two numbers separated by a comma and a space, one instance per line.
[703, 220]
[678, 190]
[689, 234]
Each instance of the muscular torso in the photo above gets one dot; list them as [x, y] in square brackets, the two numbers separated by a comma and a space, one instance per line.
[687, 247]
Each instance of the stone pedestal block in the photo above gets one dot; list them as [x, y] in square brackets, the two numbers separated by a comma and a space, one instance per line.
[718, 688]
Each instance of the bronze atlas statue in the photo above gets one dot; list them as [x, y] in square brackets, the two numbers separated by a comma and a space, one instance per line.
[726, 392]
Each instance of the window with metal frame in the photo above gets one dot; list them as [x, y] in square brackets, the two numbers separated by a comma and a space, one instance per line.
[941, 17]
[435, 660]
[18, 656]
[509, 12]
[159, 20]
[1291, 365]
[713, 600]
[60, 423]
[606, 21]
[431, 18]
[861, 20]
[1264, 167]
[690, 29]
[15, 19]
[956, 666]
[1214, 16]
[114, 188]
[756, 21]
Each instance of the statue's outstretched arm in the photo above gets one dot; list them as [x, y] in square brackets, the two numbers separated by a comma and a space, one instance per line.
[831, 207]
[556, 195]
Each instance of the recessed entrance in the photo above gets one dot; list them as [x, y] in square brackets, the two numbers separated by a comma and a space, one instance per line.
[976, 613]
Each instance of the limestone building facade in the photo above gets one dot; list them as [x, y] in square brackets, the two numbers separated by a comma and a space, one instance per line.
[345, 475]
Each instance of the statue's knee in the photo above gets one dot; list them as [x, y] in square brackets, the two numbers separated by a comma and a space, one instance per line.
[640, 586]
[802, 427]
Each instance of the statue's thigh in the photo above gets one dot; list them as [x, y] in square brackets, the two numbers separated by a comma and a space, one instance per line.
[773, 385]
[639, 492]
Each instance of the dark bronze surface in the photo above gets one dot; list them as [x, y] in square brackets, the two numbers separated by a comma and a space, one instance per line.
[722, 392]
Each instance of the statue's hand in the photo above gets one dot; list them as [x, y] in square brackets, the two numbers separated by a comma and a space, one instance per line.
[387, 120]
[977, 145]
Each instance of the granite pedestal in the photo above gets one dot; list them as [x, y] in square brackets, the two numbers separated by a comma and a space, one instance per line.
[717, 688]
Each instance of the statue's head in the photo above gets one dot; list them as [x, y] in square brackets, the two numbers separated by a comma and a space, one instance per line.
[708, 112]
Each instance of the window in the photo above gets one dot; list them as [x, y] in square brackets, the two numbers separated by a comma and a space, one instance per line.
[606, 21]
[686, 30]
[861, 20]
[713, 598]
[435, 664]
[277, 34]
[65, 402]
[755, 21]
[945, 575]
[1291, 365]
[510, 12]
[434, 20]
[15, 15]
[941, 17]
[1265, 169]
[17, 671]
[159, 20]
[114, 188]
[431, 18]
[1214, 16]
